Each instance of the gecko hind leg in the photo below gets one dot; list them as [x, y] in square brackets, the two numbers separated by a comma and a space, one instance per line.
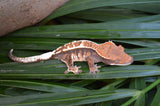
[69, 62]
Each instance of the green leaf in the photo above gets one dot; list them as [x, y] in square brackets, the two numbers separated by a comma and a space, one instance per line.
[106, 103]
[114, 84]
[156, 98]
[39, 86]
[93, 31]
[144, 53]
[140, 100]
[106, 14]
[79, 5]
[138, 83]
[32, 44]
[83, 83]
[141, 94]
[151, 18]
[68, 99]
[135, 24]
[49, 70]
[146, 7]
[2, 95]
[143, 43]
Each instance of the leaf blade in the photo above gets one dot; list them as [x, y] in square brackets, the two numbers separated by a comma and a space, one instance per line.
[79, 5]
[76, 98]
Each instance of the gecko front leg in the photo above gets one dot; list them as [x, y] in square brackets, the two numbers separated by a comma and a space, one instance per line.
[69, 62]
[93, 67]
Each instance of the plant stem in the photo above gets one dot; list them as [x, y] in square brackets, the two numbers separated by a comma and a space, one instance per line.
[151, 86]
[143, 91]
[129, 101]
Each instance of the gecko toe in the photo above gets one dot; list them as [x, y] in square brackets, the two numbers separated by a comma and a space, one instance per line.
[97, 66]
[94, 72]
[77, 72]
[66, 72]
[94, 69]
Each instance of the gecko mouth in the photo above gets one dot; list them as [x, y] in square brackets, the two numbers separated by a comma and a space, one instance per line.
[120, 64]
[131, 61]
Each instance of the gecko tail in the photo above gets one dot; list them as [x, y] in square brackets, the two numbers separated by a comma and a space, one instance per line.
[45, 56]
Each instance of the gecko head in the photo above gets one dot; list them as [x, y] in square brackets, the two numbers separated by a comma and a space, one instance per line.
[119, 57]
[115, 55]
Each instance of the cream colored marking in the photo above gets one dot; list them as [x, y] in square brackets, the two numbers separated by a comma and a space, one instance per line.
[81, 45]
[72, 56]
[44, 56]
[84, 56]
[74, 41]
[79, 55]
[121, 64]
[67, 47]
[75, 57]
